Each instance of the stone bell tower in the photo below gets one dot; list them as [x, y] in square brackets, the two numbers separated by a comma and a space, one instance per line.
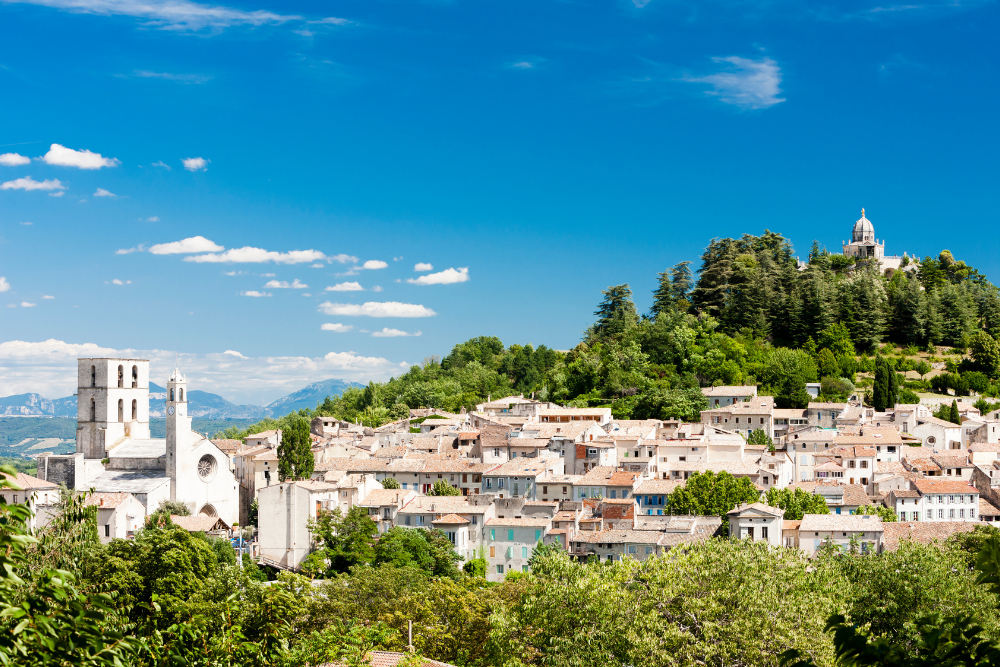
[178, 431]
[112, 402]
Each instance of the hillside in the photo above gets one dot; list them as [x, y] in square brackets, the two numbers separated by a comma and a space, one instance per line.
[309, 397]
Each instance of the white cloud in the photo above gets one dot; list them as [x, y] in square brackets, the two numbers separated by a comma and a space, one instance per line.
[232, 273]
[423, 266]
[60, 156]
[12, 305]
[26, 224]
[746, 83]
[523, 64]
[446, 277]
[331, 20]
[153, 219]
[318, 266]
[4, 285]
[183, 78]
[267, 275]
[377, 288]
[249, 255]
[25, 304]
[393, 333]
[374, 264]
[116, 281]
[129, 251]
[281, 284]
[184, 246]
[28, 183]
[344, 259]
[60, 194]
[339, 328]
[46, 296]
[306, 294]
[101, 192]
[14, 160]
[234, 353]
[345, 287]
[377, 309]
[255, 293]
[50, 369]
[640, 3]
[177, 15]
[161, 163]
[195, 163]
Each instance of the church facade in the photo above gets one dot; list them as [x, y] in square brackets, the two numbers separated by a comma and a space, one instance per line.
[115, 453]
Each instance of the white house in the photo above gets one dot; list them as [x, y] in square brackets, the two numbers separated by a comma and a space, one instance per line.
[841, 530]
[119, 515]
[511, 542]
[756, 522]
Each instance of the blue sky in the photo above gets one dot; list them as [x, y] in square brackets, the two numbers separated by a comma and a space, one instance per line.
[540, 151]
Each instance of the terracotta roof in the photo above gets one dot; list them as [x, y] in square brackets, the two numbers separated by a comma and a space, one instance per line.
[904, 493]
[827, 406]
[658, 486]
[952, 461]
[108, 500]
[569, 412]
[922, 532]
[737, 390]
[987, 508]
[855, 494]
[789, 524]
[927, 486]
[850, 451]
[199, 524]
[937, 422]
[451, 519]
[889, 467]
[390, 659]
[227, 445]
[468, 435]
[841, 522]
[28, 482]
[758, 405]
[760, 507]
[383, 497]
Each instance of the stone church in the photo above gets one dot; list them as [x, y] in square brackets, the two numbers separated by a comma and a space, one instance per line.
[864, 245]
[115, 453]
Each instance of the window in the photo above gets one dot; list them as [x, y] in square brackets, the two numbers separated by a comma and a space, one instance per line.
[864, 464]
[750, 532]
[761, 420]
[631, 549]
[121, 410]
[545, 489]
[135, 410]
[763, 532]
[951, 499]
[489, 483]
[510, 534]
[107, 529]
[499, 569]
[850, 464]
[499, 482]
[135, 377]
[538, 535]
[407, 521]
[171, 394]
[404, 486]
[961, 514]
[121, 377]
[524, 552]
[972, 514]
[940, 514]
[564, 490]
[493, 533]
[930, 514]
[510, 552]
[496, 452]
[612, 493]
[93, 377]
[951, 514]
[524, 568]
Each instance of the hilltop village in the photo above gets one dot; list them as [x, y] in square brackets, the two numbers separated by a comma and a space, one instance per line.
[778, 441]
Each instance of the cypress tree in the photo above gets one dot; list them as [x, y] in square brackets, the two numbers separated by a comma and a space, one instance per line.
[955, 417]
[893, 390]
[295, 457]
[880, 390]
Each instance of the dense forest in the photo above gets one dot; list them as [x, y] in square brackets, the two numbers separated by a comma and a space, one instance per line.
[753, 315]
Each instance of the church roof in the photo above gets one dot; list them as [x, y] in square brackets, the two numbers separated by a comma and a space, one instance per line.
[129, 481]
[133, 448]
[863, 228]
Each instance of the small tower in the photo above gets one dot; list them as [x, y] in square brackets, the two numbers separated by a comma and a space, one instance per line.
[178, 428]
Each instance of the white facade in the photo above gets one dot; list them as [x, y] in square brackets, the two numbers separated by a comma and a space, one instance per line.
[112, 403]
[756, 522]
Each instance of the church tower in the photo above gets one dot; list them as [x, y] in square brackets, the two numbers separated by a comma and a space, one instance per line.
[178, 430]
[112, 403]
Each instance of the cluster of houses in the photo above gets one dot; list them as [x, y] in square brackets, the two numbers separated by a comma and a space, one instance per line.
[526, 472]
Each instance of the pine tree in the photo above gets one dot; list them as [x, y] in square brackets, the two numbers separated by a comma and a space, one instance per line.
[910, 314]
[955, 416]
[295, 457]
[663, 296]
[682, 280]
[616, 313]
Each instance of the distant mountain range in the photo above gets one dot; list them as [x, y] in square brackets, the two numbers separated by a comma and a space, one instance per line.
[200, 403]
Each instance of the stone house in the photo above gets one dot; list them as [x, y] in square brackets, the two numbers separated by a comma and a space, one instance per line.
[756, 522]
[841, 530]
[119, 515]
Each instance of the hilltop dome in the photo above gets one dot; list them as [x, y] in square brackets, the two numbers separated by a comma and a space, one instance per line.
[863, 230]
